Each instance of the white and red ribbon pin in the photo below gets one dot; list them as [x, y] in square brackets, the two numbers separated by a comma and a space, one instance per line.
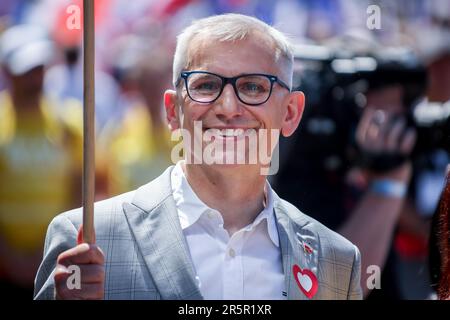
[307, 248]
[306, 281]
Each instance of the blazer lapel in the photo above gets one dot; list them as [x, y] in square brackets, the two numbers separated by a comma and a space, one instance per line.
[152, 217]
[299, 245]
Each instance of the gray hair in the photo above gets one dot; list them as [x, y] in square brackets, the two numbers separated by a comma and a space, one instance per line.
[230, 27]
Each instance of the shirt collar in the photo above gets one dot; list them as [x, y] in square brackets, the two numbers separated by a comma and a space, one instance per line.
[191, 208]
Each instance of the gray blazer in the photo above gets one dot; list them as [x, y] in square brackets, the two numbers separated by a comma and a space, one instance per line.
[147, 256]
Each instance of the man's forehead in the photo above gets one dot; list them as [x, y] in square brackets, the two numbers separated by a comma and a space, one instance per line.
[254, 54]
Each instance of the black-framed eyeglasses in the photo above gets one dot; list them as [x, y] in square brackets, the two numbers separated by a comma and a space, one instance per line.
[251, 89]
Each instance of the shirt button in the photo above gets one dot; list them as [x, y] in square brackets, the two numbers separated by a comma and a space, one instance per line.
[210, 215]
[231, 253]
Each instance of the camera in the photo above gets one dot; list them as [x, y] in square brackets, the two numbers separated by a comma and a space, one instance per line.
[336, 83]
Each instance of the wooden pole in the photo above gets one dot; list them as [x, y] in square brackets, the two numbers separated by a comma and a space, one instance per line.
[88, 121]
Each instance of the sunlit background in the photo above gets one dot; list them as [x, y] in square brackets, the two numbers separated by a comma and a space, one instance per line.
[41, 113]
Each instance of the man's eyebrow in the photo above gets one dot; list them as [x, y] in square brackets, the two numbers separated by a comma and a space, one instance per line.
[247, 73]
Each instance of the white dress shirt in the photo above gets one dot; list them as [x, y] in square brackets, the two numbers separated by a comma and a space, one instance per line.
[246, 265]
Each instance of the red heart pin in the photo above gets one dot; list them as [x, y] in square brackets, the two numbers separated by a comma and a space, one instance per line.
[306, 281]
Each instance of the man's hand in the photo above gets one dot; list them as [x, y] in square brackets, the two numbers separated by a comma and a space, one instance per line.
[90, 260]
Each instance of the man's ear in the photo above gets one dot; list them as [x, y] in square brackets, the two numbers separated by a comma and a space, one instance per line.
[295, 107]
[170, 103]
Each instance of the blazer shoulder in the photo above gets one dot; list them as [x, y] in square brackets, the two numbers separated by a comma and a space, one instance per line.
[104, 211]
[330, 240]
[109, 217]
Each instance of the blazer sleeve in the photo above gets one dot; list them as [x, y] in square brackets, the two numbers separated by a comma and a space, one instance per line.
[61, 236]
[355, 290]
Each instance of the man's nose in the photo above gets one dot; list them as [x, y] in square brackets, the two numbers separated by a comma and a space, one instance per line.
[228, 105]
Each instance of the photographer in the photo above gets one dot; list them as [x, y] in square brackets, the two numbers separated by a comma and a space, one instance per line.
[364, 168]
[383, 194]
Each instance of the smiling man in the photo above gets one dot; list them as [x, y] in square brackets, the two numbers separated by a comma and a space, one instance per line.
[210, 229]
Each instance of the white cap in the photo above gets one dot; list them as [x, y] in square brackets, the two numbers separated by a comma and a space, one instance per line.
[24, 47]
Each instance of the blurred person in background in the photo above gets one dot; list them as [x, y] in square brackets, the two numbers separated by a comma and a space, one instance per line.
[137, 144]
[439, 245]
[377, 197]
[361, 166]
[3, 27]
[18, 11]
[434, 48]
[403, 241]
[40, 158]
[64, 81]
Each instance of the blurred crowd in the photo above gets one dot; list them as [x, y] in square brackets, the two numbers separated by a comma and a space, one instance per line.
[41, 95]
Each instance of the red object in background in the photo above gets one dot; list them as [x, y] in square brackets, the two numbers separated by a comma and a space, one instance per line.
[238, 3]
[73, 37]
[166, 8]
[411, 246]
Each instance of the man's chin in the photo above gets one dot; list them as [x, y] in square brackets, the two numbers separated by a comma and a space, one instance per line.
[229, 168]
[230, 163]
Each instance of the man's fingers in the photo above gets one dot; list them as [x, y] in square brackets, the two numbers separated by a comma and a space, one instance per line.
[80, 235]
[90, 282]
[80, 273]
[87, 291]
[92, 273]
[89, 273]
[82, 254]
[90, 291]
